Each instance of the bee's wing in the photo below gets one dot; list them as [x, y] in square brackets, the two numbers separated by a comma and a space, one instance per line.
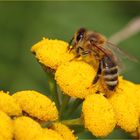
[118, 51]
[119, 54]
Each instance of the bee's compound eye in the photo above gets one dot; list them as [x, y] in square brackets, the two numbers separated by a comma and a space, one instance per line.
[79, 37]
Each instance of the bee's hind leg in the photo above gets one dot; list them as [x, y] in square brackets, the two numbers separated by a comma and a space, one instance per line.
[95, 79]
[98, 74]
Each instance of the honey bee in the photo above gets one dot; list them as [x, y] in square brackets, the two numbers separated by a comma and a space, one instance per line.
[99, 49]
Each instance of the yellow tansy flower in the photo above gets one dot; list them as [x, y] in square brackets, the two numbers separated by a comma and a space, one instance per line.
[125, 87]
[26, 129]
[75, 78]
[132, 92]
[48, 134]
[98, 115]
[1, 138]
[6, 127]
[36, 105]
[9, 105]
[137, 97]
[64, 131]
[125, 111]
[52, 53]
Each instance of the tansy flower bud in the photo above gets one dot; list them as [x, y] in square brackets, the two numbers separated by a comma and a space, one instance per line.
[9, 105]
[48, 134]
[64, 131]
[6, 127]
[75, 78]
[36, 105]
[26, 129]
[52, 53]
[125, 111]
[98, 115]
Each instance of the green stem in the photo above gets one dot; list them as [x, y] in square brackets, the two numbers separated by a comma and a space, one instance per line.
[53, 90]
[64, 104]
[52, 84]
[60, 94]
[74, 107]
[78, 121]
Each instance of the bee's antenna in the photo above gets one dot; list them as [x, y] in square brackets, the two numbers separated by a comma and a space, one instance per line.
[70, 42]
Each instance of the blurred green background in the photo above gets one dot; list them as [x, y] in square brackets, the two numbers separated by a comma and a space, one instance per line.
[23, 24]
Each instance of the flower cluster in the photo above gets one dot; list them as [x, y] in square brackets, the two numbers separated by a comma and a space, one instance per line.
[31, 115]
[103, 110]
[23, 113]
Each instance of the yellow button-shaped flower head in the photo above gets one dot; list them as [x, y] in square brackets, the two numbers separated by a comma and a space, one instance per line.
[6, 127]
[36, 105]
[125, 86]
[137, 97]
[26, 129]
[48, 134]
[75, 78]
[1, 138]
[9, 105]
[64, 131]
[98, 115]
[52, 53]
[125, 111]
[130, 90]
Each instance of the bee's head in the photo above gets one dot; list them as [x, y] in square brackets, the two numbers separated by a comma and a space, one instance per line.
[77, 38]
[85, 37]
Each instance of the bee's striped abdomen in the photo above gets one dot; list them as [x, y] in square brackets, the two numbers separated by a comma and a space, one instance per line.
[110, 77]
[110, 73]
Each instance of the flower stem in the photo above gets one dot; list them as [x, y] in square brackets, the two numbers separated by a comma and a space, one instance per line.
[64, 104]
[77, 121]
[74, 106]
[53, 90]
[52, 85]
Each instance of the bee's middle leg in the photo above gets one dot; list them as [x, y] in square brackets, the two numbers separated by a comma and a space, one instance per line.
[75, 57]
